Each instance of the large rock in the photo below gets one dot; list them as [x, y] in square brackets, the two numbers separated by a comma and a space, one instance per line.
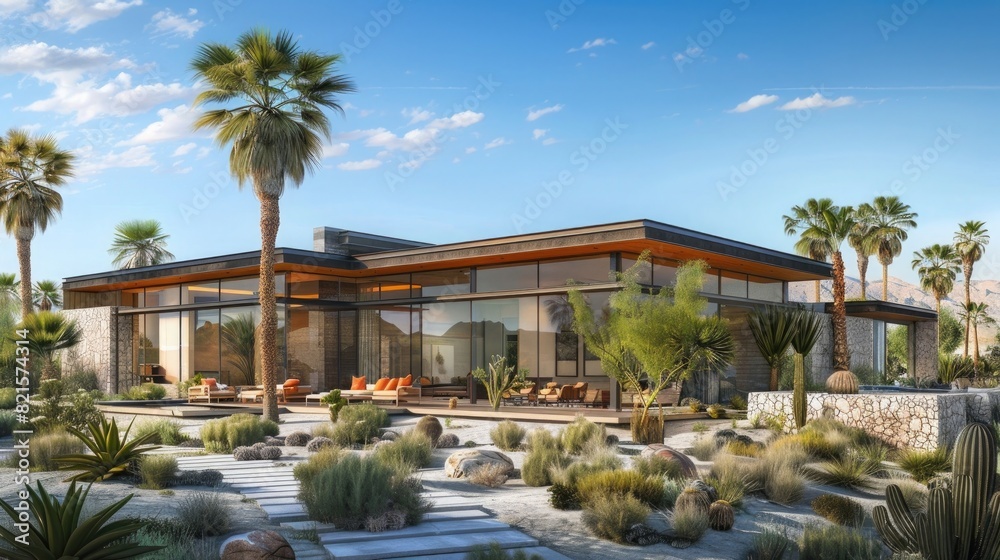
[461, 463]
[258, 545]
[687, 467]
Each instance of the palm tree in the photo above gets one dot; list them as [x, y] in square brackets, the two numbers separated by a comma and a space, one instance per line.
[890, 220]
[803, 217]
[772, 329]
[275, 95]
[50, 332]
[975, 314]
[30, 168]
[9, 292]
[971, 240]
[861, 241]
[937, 266]
[48, 293]
[828, 230]
[139, 243]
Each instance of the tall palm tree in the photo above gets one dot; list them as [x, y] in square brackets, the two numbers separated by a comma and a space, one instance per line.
[971, 240]
[48, 293]
[30, 168]
[828, 230]
[890, 220]
[273, 95]
[861, 241]
[975, 314]
[803, 217]
[139, 243]
[937, 266]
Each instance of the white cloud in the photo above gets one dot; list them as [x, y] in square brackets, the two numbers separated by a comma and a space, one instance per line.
[168, 23]
[648, 46]
[7, 95]
[74, 15]
[678, 57]
[10, 7]
[203, 152]
[359, 165]
[599, 42]
[184, 149]
[817, 101]
[456, 160]
[42, 58]
[91, 164]
[174, 124]
[549, 141]
[694, 51]
[535, 115]
[470, 150]
[118, 97]
[335, 150]
[539, 132]
[754, 103]
[423, 139]
[742, 56]
[417, 114]
[497, 142]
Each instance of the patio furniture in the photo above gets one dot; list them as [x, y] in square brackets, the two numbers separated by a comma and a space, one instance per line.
[210, 391]
[593, 398]
[671, 394]
[575, 394]
[398, 395]
[444, 389]
[552, 392]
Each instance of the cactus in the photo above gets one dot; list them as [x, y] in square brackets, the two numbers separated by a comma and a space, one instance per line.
[691, 497]
[842, 382]
[807, 328]
[962, 522]
[430, 427]
[721, 516]
[799, 391]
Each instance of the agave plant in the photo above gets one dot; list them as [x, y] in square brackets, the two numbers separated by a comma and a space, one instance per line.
[58, 531]
[111, 454]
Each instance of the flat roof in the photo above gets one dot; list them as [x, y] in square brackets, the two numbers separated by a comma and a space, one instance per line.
[888, 311]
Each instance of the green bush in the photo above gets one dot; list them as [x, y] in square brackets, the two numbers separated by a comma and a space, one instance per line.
[157, 471]
[768, 545]
[168, 432]
[145, 392]
[924, 465]
[833, 542]
[564, 496]
[8, 421]
[430, 427]
[839, 509]
[784, 484]
[305, 471]
[689, 522]
[178, 544]
[542, 438]
[738, 402]
[53, 408]
[849, 471]
[86, 380]
[46, 447]
[495, 552]
[111, 452]
[610, 516]
[728, 489]
[356, 492]
[204, 514]
[578, 434]
[225, 434]
[358, 424]
[657, 465]
[538, 463]
[647, 489]
[671, 490]
[704, 448]
[409, 451]
[507, 436]
[744, 449]
[8, 398]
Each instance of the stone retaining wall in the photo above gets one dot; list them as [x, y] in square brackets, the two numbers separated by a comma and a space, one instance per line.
[918, 420]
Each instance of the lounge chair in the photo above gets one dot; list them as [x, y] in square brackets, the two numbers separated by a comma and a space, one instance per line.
[209, 391]
[593, 398]
[671, 394]
[549, 394]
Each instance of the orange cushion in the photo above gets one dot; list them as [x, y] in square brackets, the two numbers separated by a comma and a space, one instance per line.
[210, 382]
[381, 383]
[358, 383]
[425, 381]
[393, 383]
[290, 383]
[406, 381]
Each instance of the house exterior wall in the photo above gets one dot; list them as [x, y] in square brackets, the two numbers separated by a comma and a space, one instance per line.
[860, 342]
[98, 344]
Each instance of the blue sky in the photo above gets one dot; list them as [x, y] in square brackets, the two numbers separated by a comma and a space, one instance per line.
[489, 119]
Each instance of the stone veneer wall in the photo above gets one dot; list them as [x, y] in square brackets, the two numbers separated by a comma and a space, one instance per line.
[926, 355]
[97, 345]
[919, 420]
[860, 342]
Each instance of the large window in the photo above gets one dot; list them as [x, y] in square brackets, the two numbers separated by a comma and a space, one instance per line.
[562, 352]
[441, 283]
[734, 284]
[243, 288]
[506, 327]
[206, 292]
[766, 289]
[445, 335]
[589, 270]
[506, 278]
[161, 297]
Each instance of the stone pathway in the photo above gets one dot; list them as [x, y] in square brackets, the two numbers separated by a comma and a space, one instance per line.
[450, 529]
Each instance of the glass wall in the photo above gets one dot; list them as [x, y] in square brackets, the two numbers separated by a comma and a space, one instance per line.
[506, 278]
[587, 270]
[445, 334]
[506, 327]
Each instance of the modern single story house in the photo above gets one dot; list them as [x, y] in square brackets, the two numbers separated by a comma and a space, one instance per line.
[363, 304]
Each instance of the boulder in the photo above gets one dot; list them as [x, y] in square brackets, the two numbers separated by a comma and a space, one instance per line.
[461, 463]
[258, 545]
[687, 467]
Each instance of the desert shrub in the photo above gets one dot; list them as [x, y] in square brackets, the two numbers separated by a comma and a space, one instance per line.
[611, 515]
[177, 544]
[8, 421]
[833, 542]
[784, 484]
[507, 436]
[699, 427]
[8, 398]
[358, 424]
[788, 450]
[671, 490]
[167, 432]
[693, 404]
[704, 448]
[728, 489]
[744, 449]
[564, 496]
[924, 465]
[55, 409]
[355, 492]
[319, 442]
[46, 447]
[738, 402]
[411, 450]
[492, 475]
[716, 411]
[225, 434]
[297, 439]
[305, 471]
[538, 462]
[270, 452]
[647, 489]
[839, 509]
[873, 455]
[495, 552]
[657, 465]
[430, 427]
[86, 380]
[206, 477]
[157, 471]
[570, 473]
[246, 453]
[849, 471]
[542, 438]
[145, 392]
[447, 441]
[579, 433]
[768, 545]
[689, 522]
[204, 514]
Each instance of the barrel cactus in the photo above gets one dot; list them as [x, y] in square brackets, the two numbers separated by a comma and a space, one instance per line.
[721, 516]
[962, 522]
[693, 498]
[842, 382]
[430, 427]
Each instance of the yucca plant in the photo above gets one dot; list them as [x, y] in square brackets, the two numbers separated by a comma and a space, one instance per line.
[59, 533]
[111, 454]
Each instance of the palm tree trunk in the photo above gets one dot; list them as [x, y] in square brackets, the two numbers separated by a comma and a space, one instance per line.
[863, 272]
[23, 241]
[975, 346]
[270, 218]
[817, 291]
[937, 324]
[774, 378]
[841, 355]
[885, 282]
[967, 269]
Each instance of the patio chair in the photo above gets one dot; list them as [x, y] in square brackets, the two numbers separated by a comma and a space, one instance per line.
[209, 391]
[593, 398]
[576, 395]
[550, 394]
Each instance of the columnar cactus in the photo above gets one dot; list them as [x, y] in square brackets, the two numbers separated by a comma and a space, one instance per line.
[962, 522]
[799, 408]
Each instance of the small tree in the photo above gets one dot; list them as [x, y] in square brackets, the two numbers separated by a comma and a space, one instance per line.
[658, 336]
[48, 333]
[500, 378]
[772, 329]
